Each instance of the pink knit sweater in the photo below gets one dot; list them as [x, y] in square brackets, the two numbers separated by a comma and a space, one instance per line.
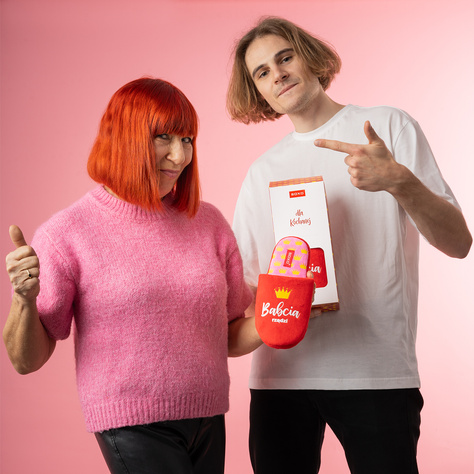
[151, 295]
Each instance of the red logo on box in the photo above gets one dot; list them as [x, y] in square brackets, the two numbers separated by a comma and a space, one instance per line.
[297, 194]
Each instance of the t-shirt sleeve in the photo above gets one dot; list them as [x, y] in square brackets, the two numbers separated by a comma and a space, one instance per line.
[413, 150]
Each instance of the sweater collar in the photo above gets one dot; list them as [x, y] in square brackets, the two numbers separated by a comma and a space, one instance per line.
[128, 211]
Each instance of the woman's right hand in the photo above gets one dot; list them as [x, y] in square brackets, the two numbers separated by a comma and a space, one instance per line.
[26, 340]
[23, 266]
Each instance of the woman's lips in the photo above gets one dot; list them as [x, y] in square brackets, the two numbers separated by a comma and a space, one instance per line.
[172, 174]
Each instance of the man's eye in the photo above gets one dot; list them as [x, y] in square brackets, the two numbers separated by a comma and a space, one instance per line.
[286, 59]
[262, 74]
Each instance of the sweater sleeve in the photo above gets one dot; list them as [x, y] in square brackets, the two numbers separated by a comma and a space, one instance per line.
[57, 288]
[239, 295]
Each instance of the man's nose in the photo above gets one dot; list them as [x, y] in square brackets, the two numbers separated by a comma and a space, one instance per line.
[281, 74]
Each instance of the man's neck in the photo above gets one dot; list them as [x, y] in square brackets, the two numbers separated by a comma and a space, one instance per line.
[316, 115]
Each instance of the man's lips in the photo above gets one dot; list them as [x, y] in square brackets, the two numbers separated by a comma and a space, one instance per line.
[286, 88]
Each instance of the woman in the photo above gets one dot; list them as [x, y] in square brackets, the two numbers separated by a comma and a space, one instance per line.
[151, 278]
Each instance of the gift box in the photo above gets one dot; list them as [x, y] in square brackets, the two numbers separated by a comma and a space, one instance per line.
[299, 208]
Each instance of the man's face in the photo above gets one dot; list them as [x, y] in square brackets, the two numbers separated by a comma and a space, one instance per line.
[281, 77]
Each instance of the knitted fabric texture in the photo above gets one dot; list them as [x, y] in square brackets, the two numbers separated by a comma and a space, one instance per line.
[150, 295]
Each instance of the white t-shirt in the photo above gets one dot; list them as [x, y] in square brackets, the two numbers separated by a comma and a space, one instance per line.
[370, 342]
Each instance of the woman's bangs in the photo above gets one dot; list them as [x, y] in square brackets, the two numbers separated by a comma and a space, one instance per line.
[176, 116]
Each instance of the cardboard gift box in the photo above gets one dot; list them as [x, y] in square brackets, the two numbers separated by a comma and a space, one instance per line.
[299, 208]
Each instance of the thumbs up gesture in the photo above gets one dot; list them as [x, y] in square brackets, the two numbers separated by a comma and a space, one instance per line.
[23, 266]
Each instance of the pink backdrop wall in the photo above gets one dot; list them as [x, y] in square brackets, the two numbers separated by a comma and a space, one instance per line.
[60, 63]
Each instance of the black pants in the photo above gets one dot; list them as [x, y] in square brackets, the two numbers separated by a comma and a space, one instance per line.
[195, 446]
[378, 429]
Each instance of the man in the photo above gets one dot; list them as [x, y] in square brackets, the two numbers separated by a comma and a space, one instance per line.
[356, 368]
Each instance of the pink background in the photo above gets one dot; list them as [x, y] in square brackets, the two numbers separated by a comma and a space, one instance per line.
[60, 63]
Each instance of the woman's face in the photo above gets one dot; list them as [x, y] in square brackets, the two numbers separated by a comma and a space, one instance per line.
[173, 153]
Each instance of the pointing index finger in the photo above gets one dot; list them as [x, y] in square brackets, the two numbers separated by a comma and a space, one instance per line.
[335, 145]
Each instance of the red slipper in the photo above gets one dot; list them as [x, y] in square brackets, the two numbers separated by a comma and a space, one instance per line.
[284, 295]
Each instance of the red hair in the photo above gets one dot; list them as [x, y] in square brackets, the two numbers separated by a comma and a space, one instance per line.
[123, 155]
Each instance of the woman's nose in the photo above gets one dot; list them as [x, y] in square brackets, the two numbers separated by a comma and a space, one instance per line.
[176, 151]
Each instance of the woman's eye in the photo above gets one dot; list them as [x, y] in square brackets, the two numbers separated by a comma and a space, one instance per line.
[187, 140]
[163, 136]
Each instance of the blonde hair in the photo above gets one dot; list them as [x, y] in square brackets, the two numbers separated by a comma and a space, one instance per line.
[244, 102]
